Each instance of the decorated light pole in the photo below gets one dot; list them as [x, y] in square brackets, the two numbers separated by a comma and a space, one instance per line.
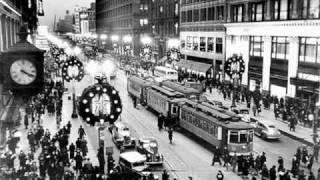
[234, 68]
[127, 46]
[173, 55]
[73, 70]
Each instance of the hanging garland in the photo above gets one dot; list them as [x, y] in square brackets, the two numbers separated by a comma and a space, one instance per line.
[173, 55]
[146, 51]
[91, 113]
[234, 65]
[72, 62]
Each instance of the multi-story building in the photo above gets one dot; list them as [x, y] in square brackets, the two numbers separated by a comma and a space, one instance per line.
[92, 17]
[65, 25]
[202, 37]
[164, 24]
[280, 43]
[84, 20]
[120, 18]
[76, 27]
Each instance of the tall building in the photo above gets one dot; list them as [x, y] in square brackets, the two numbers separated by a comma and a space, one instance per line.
[65, 25]
[92, 17]
[84, 21]
[77, 19]
[202, 37]
[164, 24]
[118, 19]
[280, 43]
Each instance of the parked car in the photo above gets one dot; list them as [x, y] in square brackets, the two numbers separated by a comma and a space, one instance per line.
[266, 130]
[121, 136]
[149, 147]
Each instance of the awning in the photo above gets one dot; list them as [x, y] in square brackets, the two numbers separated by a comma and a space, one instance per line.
[194, 66]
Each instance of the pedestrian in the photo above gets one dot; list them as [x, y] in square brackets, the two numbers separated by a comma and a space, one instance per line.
[72, 148]
[165, 175]
[220, 175]
[170, 134]
[69, 127]
[263, 158]
[234, 161]
[292, 123]
[160, 121]
[81, 132]
[226, 157]
[264, 172]
[26, 121]
[295, 167]
[52, 171]
[273, 173]
[310, 162]
[254, 109]
[311, 176]
[280, 163]
[216, 156]
[134, 102]
[78, 158]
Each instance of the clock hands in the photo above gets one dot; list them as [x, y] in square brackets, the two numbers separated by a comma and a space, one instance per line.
[26, 73]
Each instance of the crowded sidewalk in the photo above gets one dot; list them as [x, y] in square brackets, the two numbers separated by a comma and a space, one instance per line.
[302, 134]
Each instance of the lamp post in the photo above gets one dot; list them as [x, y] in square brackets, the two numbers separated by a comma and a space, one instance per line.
[73, 73]
[234, 67]
[127, 46]
[115, 39]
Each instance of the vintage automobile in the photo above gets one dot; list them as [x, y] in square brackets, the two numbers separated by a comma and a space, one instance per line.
[149, 147]
[133, 162]
[267, 130]
[121, 136]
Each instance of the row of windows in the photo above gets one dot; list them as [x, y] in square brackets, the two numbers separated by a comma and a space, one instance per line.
[203, 44]
[123, 10]
[193, 1]
[200, 122]
[204, 14]
[309, 48]
[279, 10]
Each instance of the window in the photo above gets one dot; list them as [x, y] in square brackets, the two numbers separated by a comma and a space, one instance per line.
[203, 14]
[283, 9]
[220, 14]
[256, 46]
[183, 43]
[219, 45]
[161, 9]
[309, 50]
[257, 11]
[280, 48]
[293, 9]
[237, 13]
[195, 43]
[189, 42]
[183, 16]
[196, 15]
[234, 138]
[211, 13]
[313, 9]
[243, 137]
[275, 9]
[210, 44]
[176, 9]
[202, 44]
[189, 16]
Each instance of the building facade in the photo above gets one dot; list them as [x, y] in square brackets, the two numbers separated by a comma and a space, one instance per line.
[120, 18]
[92, 17]
[164, 24]
[202, 37]
[65, 25]
[279, 42]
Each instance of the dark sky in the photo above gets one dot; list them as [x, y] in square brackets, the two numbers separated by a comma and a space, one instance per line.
[58, 8]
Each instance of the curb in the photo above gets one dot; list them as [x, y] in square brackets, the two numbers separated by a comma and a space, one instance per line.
[296, 138]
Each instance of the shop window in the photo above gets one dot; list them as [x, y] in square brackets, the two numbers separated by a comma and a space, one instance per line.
[210, 44]
[256, 46]
[309, 50]
[189, 42]
[195, 43]
[280, 48]
[219, 45]
[202, 44]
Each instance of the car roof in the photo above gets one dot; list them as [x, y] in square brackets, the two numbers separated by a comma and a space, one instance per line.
[265, 122]
[133, 156]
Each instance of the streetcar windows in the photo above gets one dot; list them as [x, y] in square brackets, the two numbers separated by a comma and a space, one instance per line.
[251, 136]
[234, 138]
[243, 137]
[174, 110]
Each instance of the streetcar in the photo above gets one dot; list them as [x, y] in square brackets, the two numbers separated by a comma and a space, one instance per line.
[218, 127]
[165, 101]
[187, 91]
[136, 88]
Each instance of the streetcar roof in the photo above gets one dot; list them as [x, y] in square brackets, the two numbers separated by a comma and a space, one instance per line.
[167, 92]
[179, 87]
[140, 81]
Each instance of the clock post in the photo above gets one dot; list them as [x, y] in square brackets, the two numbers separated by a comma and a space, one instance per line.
[23, 67]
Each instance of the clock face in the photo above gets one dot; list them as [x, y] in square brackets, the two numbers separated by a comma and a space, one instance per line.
[23, 72]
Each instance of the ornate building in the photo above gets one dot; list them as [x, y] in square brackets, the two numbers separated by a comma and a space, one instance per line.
[279, 42]
[202, 37]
